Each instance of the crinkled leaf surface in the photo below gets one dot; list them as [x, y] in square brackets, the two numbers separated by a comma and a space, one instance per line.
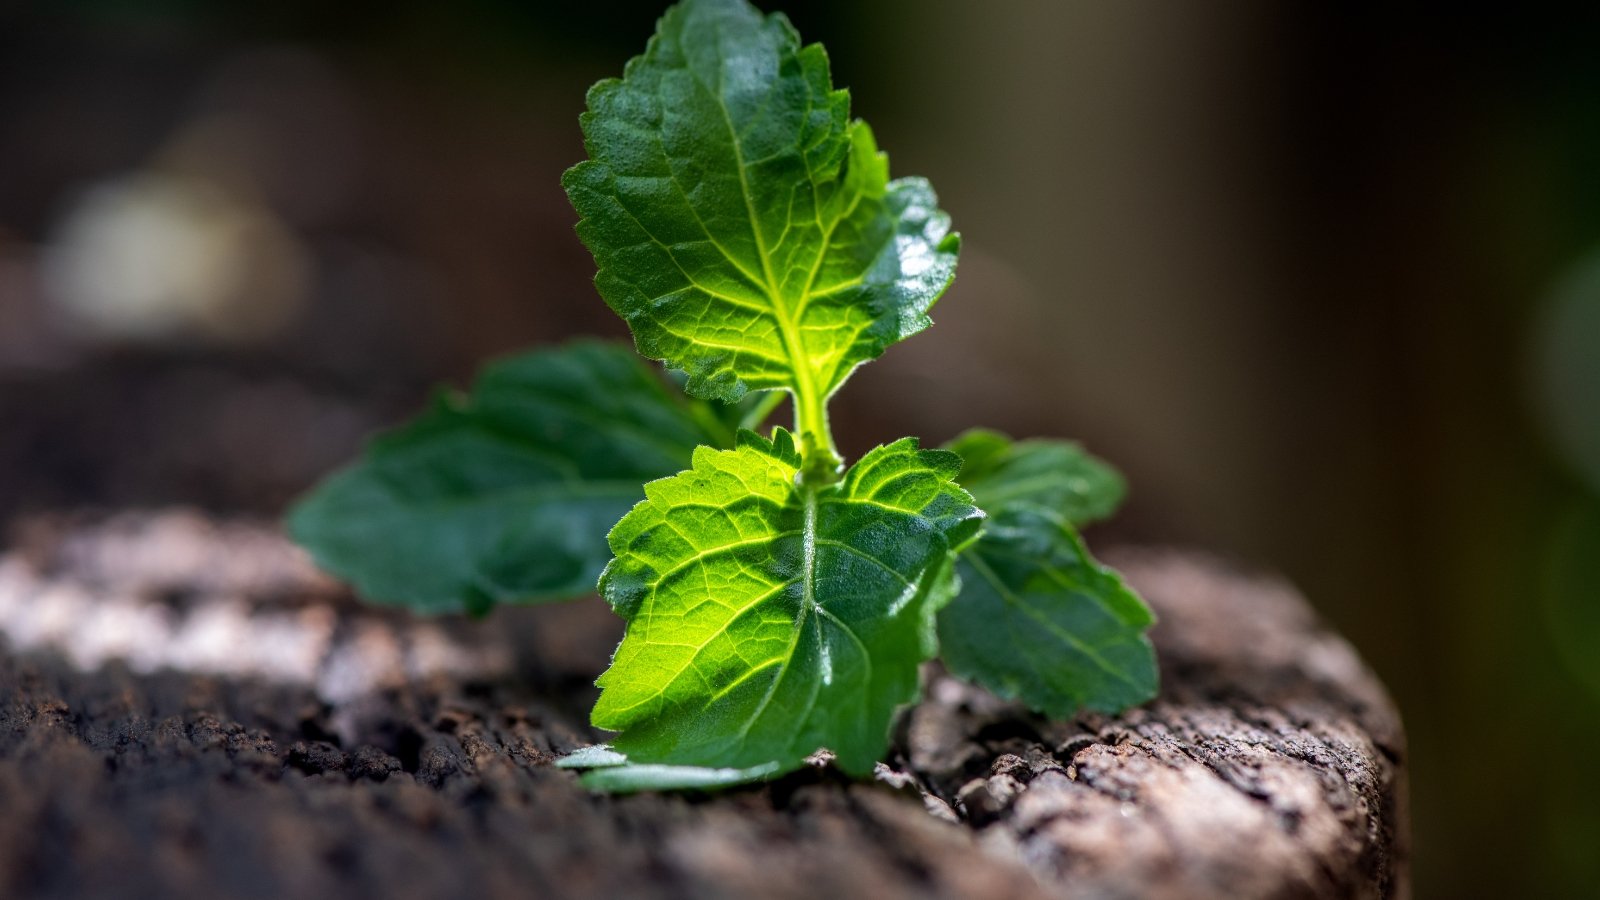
[1037, 618]
[767, 619]
[743, 226]
[505, 494]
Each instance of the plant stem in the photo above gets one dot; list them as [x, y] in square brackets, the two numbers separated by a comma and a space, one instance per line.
[758, 413]
[821, 461]
[713, 425]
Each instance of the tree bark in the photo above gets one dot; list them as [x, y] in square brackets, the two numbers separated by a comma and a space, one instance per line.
[190, 711]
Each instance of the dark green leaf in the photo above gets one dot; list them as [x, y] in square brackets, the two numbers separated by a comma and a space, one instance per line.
[1037, 618]
[766, 618]
[506, 494]
[1058, 476]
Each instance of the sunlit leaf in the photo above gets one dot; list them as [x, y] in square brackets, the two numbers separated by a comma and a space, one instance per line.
[768, 619]
[744, 227]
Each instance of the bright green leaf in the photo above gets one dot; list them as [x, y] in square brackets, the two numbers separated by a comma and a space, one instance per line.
[744, 227]
[1037, 618]
[1058, 476]
[506, 494]
[768, 618]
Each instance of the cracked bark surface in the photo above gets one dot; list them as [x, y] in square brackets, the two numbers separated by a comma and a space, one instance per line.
[394, 758]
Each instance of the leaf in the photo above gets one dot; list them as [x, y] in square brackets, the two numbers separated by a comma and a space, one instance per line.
[768, 618]
[594, 756]
[611, 772]
[1037, 618]
[634, 777]
[506, 494]
[743, 226]
[1058, 476]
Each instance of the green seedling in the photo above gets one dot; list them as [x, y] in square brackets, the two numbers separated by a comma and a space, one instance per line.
[778, 601]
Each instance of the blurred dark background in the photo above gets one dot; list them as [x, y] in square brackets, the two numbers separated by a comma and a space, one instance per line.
[1324, 280]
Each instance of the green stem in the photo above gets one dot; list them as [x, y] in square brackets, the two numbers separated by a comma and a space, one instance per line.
[758, 413]
[717, 428]
[822, 463]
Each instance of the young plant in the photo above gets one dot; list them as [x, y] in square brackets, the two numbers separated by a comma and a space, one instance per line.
[777, 601]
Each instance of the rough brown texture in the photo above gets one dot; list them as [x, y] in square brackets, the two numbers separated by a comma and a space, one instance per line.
[1271, 765]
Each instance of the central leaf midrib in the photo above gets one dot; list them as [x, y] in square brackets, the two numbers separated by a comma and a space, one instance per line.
[788, 328]
[808, 603]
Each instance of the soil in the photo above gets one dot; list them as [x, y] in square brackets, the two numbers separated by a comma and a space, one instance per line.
[188, 710]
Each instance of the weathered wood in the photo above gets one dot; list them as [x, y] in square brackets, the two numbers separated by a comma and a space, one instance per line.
[306, 746]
